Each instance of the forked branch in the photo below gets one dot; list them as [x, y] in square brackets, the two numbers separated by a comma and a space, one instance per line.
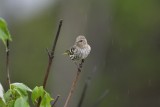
[51, 55]
[50, 58]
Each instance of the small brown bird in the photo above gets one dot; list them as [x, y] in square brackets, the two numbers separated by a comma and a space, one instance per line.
[80, 50]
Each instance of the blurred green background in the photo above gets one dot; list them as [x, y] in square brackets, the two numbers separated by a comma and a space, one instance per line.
[125, 40]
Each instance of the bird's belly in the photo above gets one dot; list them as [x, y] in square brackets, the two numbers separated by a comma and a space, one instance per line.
[84, 53]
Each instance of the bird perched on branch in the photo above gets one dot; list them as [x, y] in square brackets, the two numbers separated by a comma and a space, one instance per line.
[80, 50]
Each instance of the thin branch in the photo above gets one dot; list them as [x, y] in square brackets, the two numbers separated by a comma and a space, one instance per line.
[50, 56]
[74, 83]
[85, 87]
[56, 99]
[7, 63]
[100, 99]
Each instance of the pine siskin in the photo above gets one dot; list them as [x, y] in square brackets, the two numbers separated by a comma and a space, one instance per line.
[80, 50]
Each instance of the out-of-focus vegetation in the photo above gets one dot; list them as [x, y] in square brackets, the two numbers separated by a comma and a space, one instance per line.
[4, 33]
[124, 36]
[18, 95]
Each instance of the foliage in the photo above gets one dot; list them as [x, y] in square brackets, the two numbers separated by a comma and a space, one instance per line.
[18, 93]
[4, 32]
[39, 92]
[18, 96]
[1, 93]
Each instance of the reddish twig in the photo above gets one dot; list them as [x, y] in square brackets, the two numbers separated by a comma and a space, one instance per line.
[74, 84]
[50, 56]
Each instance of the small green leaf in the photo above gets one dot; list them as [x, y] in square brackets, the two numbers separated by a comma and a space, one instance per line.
[11, 103]
[20, 86]
[4, 32]
[7, 95]
[36, 93]
[2, 93]
[46, 101]
[2, 104]
[21, 102]
[20, 92]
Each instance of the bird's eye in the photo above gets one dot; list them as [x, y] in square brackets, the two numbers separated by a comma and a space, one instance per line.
[80, 41]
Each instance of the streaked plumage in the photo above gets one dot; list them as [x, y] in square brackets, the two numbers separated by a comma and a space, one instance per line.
[80, 50]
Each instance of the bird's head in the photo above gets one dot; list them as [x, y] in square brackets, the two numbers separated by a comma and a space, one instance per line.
[81, 41]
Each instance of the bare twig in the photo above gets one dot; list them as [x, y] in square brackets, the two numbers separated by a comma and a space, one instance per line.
[55, 101]
[7, 63]
[100, 99]
[85, 87]
[50, 56]
[74, 83]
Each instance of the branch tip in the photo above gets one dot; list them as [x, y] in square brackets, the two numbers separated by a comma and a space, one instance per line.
[51, 57]
[56, 99]
[61, 20]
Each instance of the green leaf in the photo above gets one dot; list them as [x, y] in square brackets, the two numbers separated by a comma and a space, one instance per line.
[2, 93]
[4, 32]
[45, 97]
[36, 93]
[20, 86]
[21, 102]
[11, 103]
[46, 101]
[2, 104]
[20, 92]
[7, 95]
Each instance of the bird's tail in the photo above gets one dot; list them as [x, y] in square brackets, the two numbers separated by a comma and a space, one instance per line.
[67, 52]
